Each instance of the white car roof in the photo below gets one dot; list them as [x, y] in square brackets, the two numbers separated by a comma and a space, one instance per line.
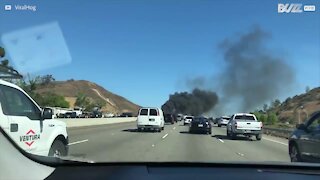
[3, 82]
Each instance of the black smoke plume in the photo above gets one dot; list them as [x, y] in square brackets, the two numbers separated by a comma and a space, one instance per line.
[194, 103]
[252, 75]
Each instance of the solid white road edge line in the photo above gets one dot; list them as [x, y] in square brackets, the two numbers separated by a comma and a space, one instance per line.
[221, 140]
[165, 136]
[78, 142]
[275, 141]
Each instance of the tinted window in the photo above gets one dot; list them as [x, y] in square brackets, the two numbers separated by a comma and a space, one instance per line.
[225, 118]
[153, 112]
[200, 119]
[144, 112]
[250, 118]
[18, 104]
[315, 124]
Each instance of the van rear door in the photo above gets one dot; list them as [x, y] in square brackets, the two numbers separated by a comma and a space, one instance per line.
[154, 117]
[143, 117]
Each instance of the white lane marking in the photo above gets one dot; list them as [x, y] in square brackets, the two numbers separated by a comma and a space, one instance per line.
[275, 141]
[174, 128]
[240, 154]
[221, 140]
[78, 142]
[165, 136]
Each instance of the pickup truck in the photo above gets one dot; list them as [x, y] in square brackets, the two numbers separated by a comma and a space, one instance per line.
[30, 126]
[244, 124]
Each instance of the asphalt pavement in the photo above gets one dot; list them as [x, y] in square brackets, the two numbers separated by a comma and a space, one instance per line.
[122, 143]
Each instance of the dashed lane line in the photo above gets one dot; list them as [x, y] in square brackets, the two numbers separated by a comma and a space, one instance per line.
[165, 136]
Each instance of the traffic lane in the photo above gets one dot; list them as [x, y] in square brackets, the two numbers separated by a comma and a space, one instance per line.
[174, 144]
[181, 146]
[81, 138]
[79, 133]
[126, 144]
[264, 150]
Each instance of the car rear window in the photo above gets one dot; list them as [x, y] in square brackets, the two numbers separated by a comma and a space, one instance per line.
[153, 112]
[200, 119]
[144, 112]
[226, 118]
[248, 118]
[189, 118]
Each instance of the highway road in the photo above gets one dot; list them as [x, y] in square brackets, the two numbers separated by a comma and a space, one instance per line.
[122, 143]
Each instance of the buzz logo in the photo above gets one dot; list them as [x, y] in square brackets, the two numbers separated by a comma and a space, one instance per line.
[290, 8]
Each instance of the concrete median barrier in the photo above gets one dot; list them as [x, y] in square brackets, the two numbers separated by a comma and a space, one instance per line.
[284, 133]
[80, 122]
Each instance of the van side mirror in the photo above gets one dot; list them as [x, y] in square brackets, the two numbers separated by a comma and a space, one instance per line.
[47, 113]
[301, 126]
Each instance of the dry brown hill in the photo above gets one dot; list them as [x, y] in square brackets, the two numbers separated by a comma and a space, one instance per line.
[303, 104]
[70, 89]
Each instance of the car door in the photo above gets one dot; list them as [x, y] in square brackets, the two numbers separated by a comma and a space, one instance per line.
[229, 125]
[24, 119]
[312, 140]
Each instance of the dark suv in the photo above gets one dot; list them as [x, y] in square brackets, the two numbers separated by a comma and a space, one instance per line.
[304, 142]
[169, 118]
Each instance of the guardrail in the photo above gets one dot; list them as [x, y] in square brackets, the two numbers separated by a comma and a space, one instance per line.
[79, 122]
[284, 133]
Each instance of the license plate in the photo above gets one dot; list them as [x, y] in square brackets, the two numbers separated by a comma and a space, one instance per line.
[200, 125]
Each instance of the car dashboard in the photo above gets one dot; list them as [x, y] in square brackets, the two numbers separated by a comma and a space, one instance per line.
[179, 171]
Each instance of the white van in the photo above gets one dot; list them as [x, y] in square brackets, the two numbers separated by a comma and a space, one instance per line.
[151, 119]
[31, 127]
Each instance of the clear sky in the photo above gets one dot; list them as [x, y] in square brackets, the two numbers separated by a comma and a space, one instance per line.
[144, 50]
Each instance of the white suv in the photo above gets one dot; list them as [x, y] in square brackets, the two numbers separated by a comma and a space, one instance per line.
[31, 127]
[151, 119]
[187, 120]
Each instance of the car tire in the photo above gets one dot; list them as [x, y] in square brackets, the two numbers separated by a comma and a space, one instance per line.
[209, 132]
[58, 149]
[228, 133]
[139, 129]
[294, 153]
[219, 125]
[258, 137]
[162, 128]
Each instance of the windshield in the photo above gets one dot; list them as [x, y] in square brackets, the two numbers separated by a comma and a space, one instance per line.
[121, 81]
